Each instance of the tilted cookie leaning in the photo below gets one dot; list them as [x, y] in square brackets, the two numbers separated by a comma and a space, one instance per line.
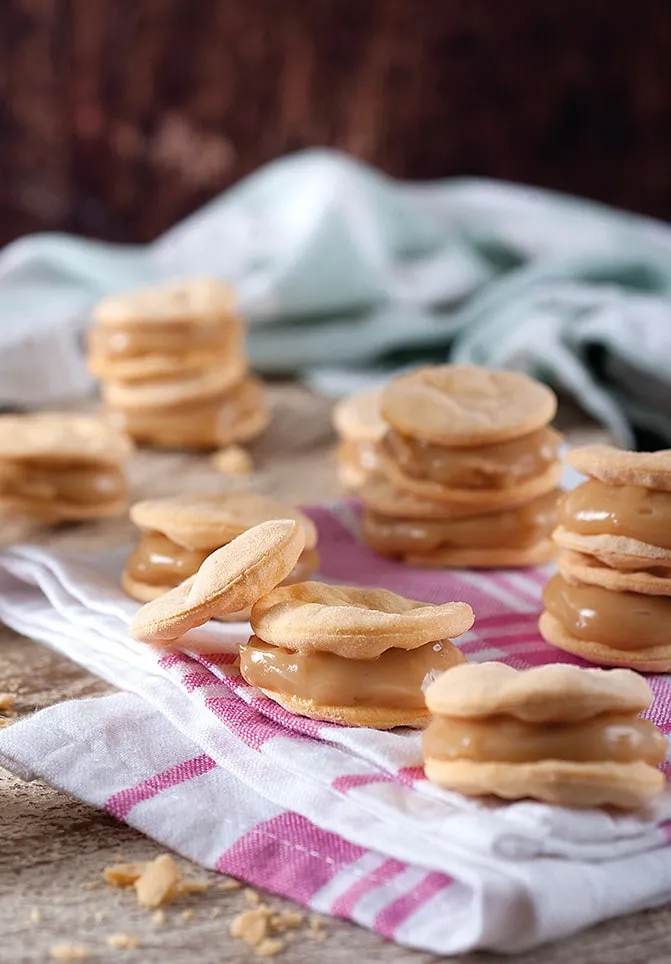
[360, 428]
[557, 733]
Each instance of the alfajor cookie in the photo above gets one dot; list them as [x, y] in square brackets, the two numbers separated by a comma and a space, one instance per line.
[360, 428]
[450, 491]
[611, 602]
[177, 533]
[228, 581]
[57, 467]
[557, 733]
[348, 655]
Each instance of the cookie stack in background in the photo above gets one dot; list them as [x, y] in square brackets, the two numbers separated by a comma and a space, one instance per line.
[58, 467]
[611, 602]
[172, 367]
[360, 428]
[469, 470]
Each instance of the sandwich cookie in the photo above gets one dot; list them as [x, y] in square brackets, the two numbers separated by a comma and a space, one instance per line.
[178, 533]
[557, 733]
[360, 427]
[611, 601]
[58, 467]
[228, 581]
[473, 466]
[348, 655]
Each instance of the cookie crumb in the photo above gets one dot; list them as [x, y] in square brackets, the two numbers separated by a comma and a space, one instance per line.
[123, 875]
[270, 947]
[316, 930]
[251, 926]
[69, 952]
[286, 920]
[251, 896]
[123, 942]
[230, 884]
[158, 917]
[188, 915]
[7, 701]
[35, 916]
[192, 887]
[233, 460]
[90, 885]
[156, 882]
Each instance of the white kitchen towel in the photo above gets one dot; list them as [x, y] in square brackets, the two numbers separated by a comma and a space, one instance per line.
[339, 819]
[340, 268]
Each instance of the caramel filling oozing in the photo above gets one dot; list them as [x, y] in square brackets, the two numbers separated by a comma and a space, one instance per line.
[513, 529]
[74, 483]
[595, 508]
[131, 341]
[621, 620]
[363, 454]
[497, 466]
[158, 561]
[393, 679]
[609, 737]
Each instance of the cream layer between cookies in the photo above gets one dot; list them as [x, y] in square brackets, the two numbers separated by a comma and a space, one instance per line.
[392, 680]
[57, 481]
[595, 508]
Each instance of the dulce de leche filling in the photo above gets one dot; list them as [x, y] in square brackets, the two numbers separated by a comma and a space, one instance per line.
[595, 508]
[512, 529]
[130, 341]
[158, 561]
[394, 679]
[609, 737]
[74, 483]
[486, 467]
[621, 620]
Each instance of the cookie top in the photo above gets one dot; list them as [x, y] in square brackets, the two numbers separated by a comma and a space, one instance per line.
[228, 581]
[620, 467]
[179, 388]
[353, 622]
[463, 405]
[553, 693]
[204, 300]
[358, 418]
[205, 520]
[61, 436]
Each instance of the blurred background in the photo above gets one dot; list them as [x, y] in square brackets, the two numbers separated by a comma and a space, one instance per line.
[119, 117]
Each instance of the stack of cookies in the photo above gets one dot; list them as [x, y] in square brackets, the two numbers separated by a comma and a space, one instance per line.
[560, 734]
[349, 655]
[360, 428]
[611, 602]
[172, 367]
[59, 468]
[177, 533]
[469, 470]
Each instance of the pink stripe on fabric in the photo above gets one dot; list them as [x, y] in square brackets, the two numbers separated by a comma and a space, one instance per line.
[120, 804]
[195, 680]
[289, 855]
[171, 660]
[353, 780]
[410, 775]
[343, 906]
[394, 914]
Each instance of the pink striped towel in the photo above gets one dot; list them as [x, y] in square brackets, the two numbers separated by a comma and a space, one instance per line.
[341, 820]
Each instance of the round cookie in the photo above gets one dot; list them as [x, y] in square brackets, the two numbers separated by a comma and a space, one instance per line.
[352, 622]
[381, 495]
[376, 718]
[656, 659]
[62, 437]
[476, 499]
[179, 388]
[565, 783]
[578, 567]
[358, 417]
[541, 695]
[617, 551]
[652, 470]
[229, 580]
[537, 555]
[208, 519]
[204, 300]
[463, 405]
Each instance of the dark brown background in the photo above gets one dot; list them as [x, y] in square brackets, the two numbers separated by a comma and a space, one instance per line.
[118, 117]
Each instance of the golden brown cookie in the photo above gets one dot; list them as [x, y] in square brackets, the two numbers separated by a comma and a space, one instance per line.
[358, 419]
[201, 300]
[618, 467]
[205, 520]
[353, 622]
[177, 389]
[380, 495]
[653, 659]
[619, 552]
[537, 555]
[373, 717]
[577, 567]
[463, 405]
[62, 437]
[229, 580]
[475, 498]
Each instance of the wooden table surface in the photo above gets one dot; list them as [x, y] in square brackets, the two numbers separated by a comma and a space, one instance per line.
[52, 847]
